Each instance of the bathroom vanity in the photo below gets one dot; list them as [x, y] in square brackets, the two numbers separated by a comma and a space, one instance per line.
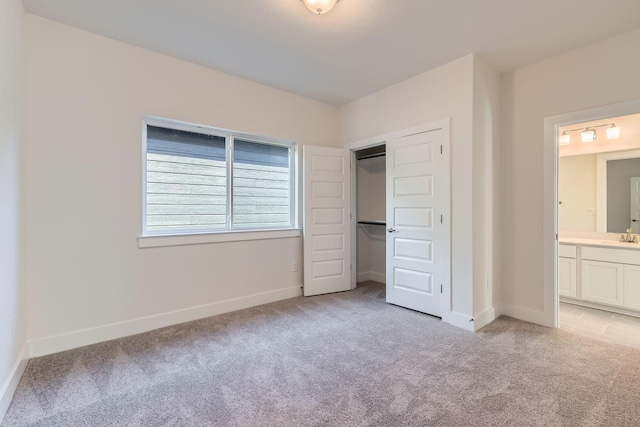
[602, 274]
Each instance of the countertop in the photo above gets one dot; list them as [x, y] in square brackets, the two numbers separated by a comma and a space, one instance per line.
[598, 242]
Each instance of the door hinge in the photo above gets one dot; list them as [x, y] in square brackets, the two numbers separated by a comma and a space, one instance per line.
[441, 149]
[440, 288]
[441, 219]
[350, 267]
[556, 237]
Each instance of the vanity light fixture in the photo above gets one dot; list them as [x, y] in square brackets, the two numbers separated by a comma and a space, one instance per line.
[613, 132]
[565, 139]
[588, 135]
[320, 7]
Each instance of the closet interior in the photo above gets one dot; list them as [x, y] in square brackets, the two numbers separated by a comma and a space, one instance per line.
[371, 214]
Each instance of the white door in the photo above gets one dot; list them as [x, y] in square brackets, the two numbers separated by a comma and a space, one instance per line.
[327, 213]
[417, 195]
[635, 204]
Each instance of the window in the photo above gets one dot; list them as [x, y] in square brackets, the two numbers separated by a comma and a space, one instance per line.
[200, 180]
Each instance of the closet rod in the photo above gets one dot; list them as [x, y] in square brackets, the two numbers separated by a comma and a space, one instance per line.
[372, 222]
[371, 156]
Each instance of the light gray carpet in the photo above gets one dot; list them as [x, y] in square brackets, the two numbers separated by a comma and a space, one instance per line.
[346, 359]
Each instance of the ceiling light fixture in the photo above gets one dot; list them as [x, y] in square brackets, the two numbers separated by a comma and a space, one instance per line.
[320, 7]
[589, 134]
[613, 132]
[565, 139]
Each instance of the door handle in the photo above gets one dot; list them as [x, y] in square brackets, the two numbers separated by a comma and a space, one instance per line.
[392, 230]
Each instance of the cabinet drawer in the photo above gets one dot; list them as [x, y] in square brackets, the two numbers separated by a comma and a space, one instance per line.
[622, 256]
[567, 251]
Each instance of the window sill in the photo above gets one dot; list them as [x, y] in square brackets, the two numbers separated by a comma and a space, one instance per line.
[204, 238]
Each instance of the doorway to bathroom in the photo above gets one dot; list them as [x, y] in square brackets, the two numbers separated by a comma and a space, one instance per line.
[596, 283]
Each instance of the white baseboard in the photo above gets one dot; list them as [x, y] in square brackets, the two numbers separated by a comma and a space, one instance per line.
[43, 346]
[484, 318]
[11, 383]
[460, 320]
[372, 275]
[526, 314]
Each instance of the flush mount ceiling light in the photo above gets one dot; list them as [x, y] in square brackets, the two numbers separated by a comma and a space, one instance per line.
[320, 7]
[589, 134]
[613, 132]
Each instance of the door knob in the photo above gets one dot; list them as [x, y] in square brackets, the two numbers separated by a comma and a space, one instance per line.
[392, 230]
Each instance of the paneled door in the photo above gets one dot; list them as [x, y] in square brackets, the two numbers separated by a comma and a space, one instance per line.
[417, 196]
[327, 212]
[635, 203]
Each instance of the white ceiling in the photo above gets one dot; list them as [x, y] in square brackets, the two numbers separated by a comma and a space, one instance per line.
[361, 46]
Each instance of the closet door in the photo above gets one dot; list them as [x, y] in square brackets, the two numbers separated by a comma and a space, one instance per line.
[417, 196]
[327, 213]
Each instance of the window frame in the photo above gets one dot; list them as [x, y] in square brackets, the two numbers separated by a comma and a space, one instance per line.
[163, 237]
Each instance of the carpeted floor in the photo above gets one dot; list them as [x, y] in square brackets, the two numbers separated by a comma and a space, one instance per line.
[346, 359]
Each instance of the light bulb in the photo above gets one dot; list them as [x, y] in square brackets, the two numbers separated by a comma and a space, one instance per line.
[320, 7]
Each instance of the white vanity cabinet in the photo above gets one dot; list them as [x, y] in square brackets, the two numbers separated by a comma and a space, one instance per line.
[567, 271]
[632, 287]
[600, 274]
[602, 282]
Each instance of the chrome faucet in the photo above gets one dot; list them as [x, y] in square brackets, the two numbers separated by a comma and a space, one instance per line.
[629, 238]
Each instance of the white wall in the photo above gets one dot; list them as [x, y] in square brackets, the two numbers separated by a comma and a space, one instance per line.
[85, 97]
[577, 189]
[446, 91]
[599, 74]
[12, 295]
[486, 191]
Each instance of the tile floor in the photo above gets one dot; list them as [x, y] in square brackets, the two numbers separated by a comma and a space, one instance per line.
[603, 325]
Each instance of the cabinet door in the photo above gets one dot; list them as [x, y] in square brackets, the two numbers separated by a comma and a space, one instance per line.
[567, 277]
[602, 282]
[632, 286]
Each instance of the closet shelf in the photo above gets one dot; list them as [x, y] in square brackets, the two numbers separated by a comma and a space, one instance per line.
[363, 222]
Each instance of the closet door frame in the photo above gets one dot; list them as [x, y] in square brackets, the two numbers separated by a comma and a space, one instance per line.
[444, 124]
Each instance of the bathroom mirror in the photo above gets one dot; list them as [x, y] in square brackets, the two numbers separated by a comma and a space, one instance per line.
[599, 192]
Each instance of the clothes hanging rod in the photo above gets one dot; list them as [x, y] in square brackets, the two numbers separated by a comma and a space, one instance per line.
[371, 156]
[372, 223]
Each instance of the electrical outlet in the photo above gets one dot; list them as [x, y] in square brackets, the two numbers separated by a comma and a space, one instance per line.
[294, 267]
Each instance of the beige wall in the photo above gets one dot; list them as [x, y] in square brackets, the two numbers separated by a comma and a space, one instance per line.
[486, 191]
[12, 295]
[599, 74]
[85, 98]
[443, 92]
[577, 189]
